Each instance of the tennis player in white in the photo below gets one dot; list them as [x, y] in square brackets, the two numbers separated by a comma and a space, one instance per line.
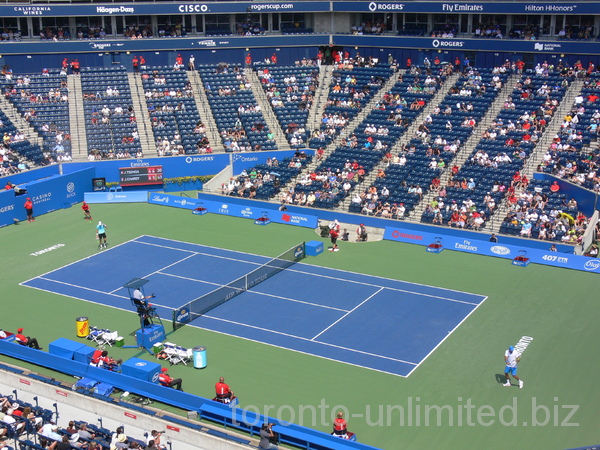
[511, 359]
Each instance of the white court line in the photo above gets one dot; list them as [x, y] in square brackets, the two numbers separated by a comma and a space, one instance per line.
[158, 271]
[446, 337]
[386, 278]
[80, 287]
[337, 278]
[345, 315]
[91, 301]
[386, 287]
[314, 355]
[310, 340]
[298, 301]
[78, 261]
[93, 290]
[191, 279]
[206, 254]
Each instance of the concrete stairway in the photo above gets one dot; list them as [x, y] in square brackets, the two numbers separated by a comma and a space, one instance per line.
[313, 122]
[18, 121]
[405, 138]
[141, 114]
[352, 124]
[469, 145]
[267, 110]
[79, 148]
[537, 155]
[212, 132]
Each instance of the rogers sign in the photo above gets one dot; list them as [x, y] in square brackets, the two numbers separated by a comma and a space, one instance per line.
[399, 234]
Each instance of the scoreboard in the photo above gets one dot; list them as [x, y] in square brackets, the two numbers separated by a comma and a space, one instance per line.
[138, 176]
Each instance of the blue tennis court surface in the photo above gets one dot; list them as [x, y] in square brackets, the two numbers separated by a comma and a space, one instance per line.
[377, 323]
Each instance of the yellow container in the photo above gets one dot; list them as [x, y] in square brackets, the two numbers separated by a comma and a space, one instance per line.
[83, 327]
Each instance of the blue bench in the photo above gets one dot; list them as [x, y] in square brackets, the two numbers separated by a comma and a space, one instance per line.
[292, 434]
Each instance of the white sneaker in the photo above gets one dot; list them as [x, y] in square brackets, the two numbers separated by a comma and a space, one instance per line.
[507, 383]
[520, 384]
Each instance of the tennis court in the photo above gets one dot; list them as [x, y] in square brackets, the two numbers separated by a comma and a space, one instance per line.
[377, 323]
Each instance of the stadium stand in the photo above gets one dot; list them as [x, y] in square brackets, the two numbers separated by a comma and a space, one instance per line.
[236, 111]
[175, 120]
[110, 120]
[44, 101]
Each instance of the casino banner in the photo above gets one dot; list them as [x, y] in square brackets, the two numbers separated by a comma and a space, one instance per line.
[499, 250]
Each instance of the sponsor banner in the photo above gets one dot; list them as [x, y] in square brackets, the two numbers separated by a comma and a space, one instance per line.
[47, 194]
[497, 249]
[182, 315]
[247, 160]
[235, 210]
[158, 8]
[470, 7]
[495, 45]
[190, 43]
[176, 201]
[116, 197]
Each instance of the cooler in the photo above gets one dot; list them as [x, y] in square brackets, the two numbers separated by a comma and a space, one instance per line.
[83, 327]
[314, 248]
[141, 369]
[199, 357]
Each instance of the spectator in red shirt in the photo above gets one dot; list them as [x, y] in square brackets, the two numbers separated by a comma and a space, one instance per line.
[224, 393]
[26, 340]
[165, 380]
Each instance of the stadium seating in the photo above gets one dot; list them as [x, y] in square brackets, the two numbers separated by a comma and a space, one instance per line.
[172, 115]
[236, 112]
[115, 137]
[48, 97]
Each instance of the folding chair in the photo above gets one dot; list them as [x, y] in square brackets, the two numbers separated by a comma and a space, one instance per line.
[177, 354]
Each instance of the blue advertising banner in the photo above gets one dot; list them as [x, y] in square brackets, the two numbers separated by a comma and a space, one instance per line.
[157, 198]
[247, 160]
[489, 45]
[47, 194]
[235, 210]
[507, 251]
[173, 167]
[8, 207]
[114, 9]
[199, 43]
[470, 7]
[116, 197]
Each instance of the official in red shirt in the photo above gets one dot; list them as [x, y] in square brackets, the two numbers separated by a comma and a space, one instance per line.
[224, 393]
[165, 380]
[26, 340]
[340, 426]
[29, 208]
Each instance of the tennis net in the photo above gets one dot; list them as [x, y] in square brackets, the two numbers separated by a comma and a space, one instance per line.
[202, 305]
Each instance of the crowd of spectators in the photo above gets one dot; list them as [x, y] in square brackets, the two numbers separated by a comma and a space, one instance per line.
[8, 34]
[569, 156]
[378, 26]
[584, 32]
